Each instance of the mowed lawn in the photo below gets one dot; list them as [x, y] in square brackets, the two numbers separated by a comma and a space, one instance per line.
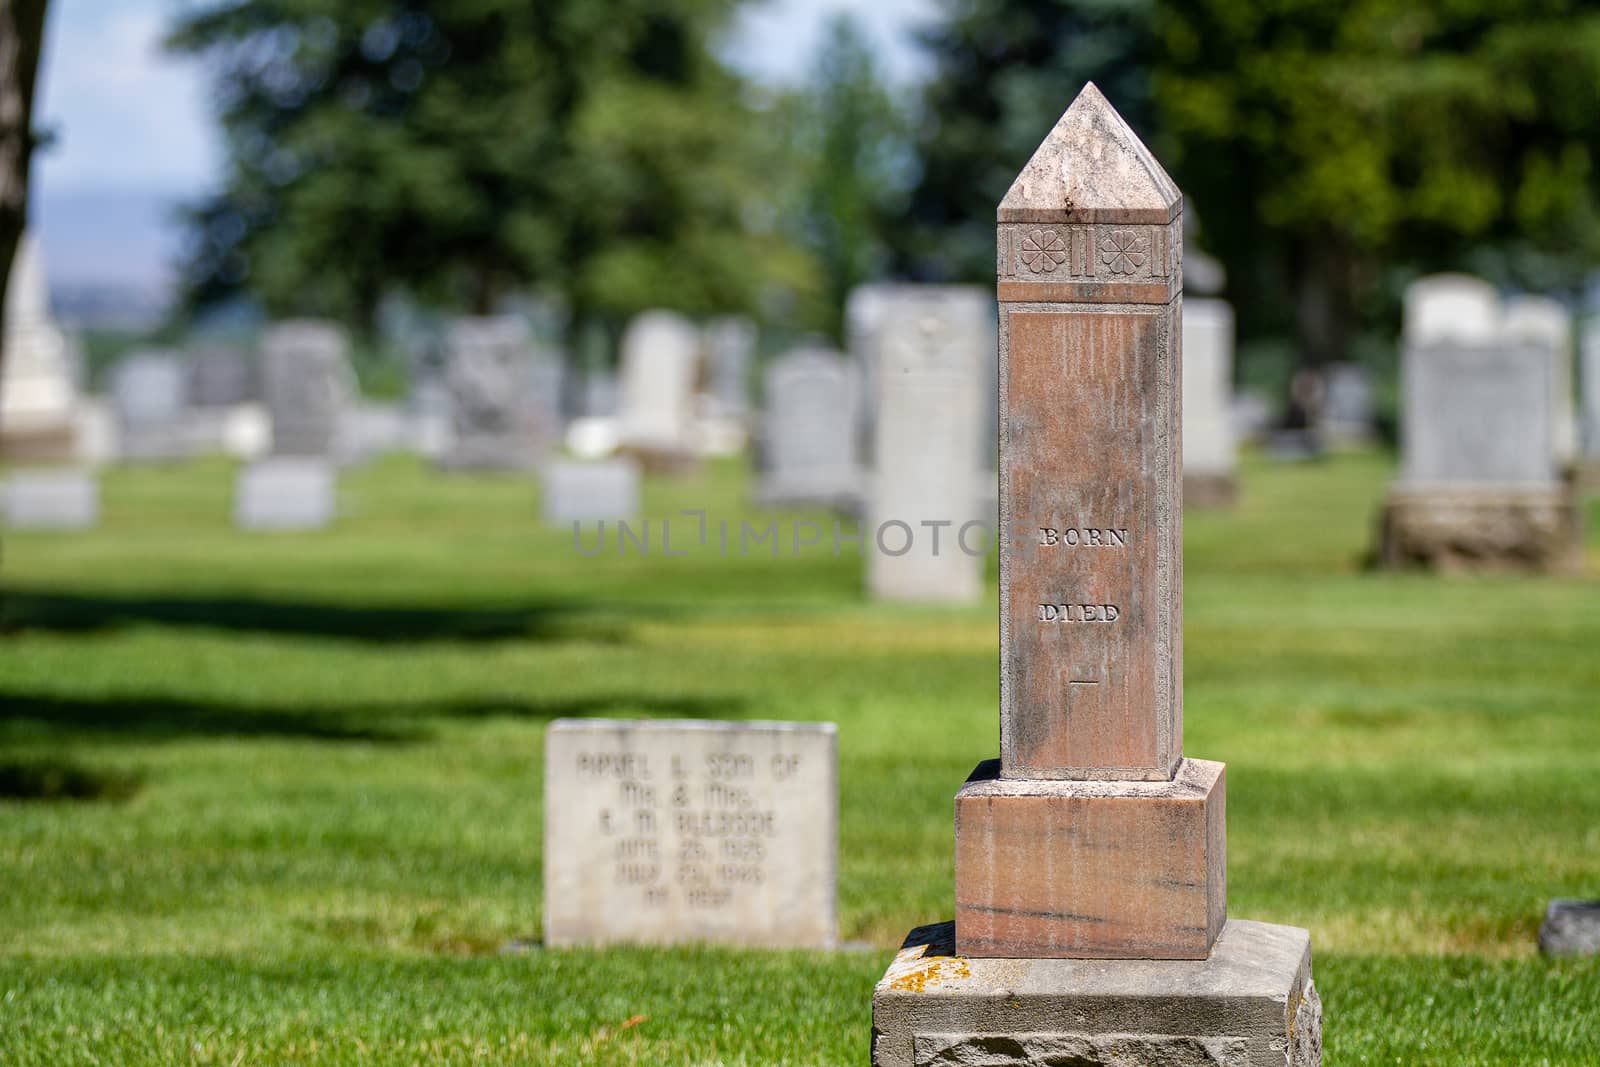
[297, 778]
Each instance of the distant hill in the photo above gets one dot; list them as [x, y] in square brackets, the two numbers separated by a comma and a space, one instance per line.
[108, 254]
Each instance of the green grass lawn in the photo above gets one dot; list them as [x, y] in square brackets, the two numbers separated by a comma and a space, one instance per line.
[299, 775]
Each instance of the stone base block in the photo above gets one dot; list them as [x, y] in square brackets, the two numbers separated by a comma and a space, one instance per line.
[1251, 1004]
[1482, 529]
[1210, 490]
[1106, 870]
[1571, 928]
[46, 445]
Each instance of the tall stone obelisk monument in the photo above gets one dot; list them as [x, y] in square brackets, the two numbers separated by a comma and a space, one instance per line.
[1091, 902]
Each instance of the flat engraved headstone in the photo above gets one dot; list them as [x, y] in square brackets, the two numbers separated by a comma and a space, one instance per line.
[664, 832]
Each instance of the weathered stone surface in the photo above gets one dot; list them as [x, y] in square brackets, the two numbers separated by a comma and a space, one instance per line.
[576, 491]
[1090, 859]
[1571, 928]
[308, 383]
[665, 832]
[1091, 168]
[1091, 582]
[1109, 1050]
[51, 500]
[1461, 529]
[813, 401]
[1251, 1004]
[1113, 870]
[929, 351]
[1210, 454]
[285, 493]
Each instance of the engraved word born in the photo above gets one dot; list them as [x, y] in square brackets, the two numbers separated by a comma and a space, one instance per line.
[1087, 537]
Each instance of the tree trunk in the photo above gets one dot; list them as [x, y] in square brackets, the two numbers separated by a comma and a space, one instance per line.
[21, 34]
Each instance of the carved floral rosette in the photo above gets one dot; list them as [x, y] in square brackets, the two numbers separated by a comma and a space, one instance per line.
[1080, 253]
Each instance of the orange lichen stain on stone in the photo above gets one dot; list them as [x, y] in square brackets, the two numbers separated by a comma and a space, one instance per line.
[931, 973]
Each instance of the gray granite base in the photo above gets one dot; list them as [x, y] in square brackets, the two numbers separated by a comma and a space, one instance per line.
[1571, 928]
[1460, 529]
[1251, 1004]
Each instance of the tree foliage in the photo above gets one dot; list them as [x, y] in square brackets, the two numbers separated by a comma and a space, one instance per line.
[843, 150]
[467, 149]
[1325, 147]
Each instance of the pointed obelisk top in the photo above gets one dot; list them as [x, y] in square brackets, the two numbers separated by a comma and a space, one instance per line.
[1092, 168]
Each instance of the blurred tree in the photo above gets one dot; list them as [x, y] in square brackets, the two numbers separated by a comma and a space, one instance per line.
[1320, 143]
[466, 150]
[21, 36]
[846, 170]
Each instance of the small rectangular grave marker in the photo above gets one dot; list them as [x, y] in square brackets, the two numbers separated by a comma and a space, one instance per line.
[285, 494]
[601, 490]
[51, 500]
[663, 832]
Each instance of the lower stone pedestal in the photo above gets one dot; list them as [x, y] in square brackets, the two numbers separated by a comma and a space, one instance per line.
[1250, 1004]
[1114, 870]
[1209, 490]
[1485, 528]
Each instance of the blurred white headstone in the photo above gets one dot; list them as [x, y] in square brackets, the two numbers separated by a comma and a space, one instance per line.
[1546, 326]
[51, 500]
[813, 401]
[285, 493]
[148, 391]
[660, 367]
[38, 376]
[1210, 456]
[931, 348]
[589, 492]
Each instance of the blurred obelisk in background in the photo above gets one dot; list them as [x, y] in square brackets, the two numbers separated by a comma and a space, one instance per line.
[1091, 917]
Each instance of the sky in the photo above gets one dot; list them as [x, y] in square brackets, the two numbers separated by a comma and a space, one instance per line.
[135, 137]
